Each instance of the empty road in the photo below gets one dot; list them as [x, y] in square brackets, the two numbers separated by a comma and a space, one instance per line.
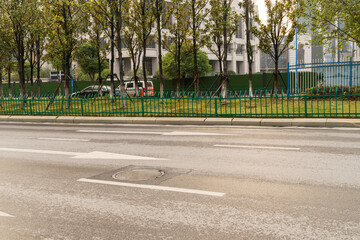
[80, 181]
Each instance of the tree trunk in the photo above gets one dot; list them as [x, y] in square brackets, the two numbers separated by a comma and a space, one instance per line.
[276, 76]
[21, 64]
[121, 71]
[31, 74]
[159, 35]
[178, 70]
[99, 61]
[135, 76]
[250, 80]
[67, 76]
[120, 63]
[1, 85]
[196, 72]
[112, 60]
[249, 50]
[145, 89]
[9, 81]
[119, 28]
[38, 80]
[144, 39]
[224, 77]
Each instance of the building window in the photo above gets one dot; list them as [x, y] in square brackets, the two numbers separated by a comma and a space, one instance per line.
[151, 44]
[239, 66]
[239, 49]
[123, 43]
[103, 43]
[239, 30]
[230, 48]
[148, 66]
[251, 35]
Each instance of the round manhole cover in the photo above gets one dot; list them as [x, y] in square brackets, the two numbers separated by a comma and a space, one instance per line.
[143, 174]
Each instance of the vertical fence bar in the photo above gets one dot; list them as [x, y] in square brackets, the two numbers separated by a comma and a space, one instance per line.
[142, 107]
[30, 107]
[82, 107]
[288, 81]
[216, 110]
[351, 69]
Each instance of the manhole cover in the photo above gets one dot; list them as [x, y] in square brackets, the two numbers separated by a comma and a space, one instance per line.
[139, 174]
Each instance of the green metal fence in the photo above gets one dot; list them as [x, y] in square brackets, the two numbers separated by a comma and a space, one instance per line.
[333, 103]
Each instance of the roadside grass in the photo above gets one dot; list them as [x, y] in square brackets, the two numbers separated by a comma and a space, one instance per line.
[266, 106]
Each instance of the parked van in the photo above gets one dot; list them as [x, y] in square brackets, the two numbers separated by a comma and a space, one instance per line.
[130, 88]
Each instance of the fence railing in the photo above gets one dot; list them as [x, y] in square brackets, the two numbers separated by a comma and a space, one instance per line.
[336, 102]
[330, 74]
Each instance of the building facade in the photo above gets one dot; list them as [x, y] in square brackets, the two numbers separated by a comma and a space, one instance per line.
[237, 58]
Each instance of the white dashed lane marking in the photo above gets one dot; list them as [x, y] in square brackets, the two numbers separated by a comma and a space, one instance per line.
[2, 214]
[153, 187]
[258, 147]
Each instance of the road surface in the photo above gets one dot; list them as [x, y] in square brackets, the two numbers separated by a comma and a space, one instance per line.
[68, 181]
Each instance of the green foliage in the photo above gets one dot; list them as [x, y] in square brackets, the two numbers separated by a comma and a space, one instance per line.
[333, 90]
[87, 58]
[105, 73]
[334, 19]
[220, 19]
[45, 73]
[204, 67]
[66, 25]
[187, 63]
[279, 31]
[230, 72]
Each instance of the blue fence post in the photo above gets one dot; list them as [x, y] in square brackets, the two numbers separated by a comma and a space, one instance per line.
[351, 66]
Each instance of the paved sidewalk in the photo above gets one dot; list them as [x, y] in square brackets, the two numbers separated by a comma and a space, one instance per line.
[274, 122]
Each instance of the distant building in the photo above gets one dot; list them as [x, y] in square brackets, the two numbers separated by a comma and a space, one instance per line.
[237, 60]
[268, 65]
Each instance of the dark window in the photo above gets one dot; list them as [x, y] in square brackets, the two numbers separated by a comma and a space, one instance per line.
[123, 43]
[103, 43]
[239, 49]
[230, 48]
[151, 44]
[239, 30]
[148, 65]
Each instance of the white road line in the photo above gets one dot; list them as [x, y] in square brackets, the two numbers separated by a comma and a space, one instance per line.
[258, 147]
[2, 214]
[65, 139]
[153, 187]
[79, 155]
[37, 151]
[174, 133]
[124, 132]
[179, 133]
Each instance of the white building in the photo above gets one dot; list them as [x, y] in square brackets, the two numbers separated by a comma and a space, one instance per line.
[237, 60]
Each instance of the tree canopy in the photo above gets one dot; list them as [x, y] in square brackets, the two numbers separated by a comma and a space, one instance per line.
[186, 62]
[87, 58]
[334, 19]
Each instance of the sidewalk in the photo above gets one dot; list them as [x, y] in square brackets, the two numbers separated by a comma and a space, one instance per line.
[269, 122]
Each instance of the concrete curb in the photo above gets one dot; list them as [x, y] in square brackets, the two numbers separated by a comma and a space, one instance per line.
[269, 122]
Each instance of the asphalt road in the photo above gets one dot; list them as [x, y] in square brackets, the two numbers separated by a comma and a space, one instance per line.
[63, 181]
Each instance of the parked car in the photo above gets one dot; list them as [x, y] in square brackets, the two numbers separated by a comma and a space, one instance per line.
[91, 92]
[130, 88]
